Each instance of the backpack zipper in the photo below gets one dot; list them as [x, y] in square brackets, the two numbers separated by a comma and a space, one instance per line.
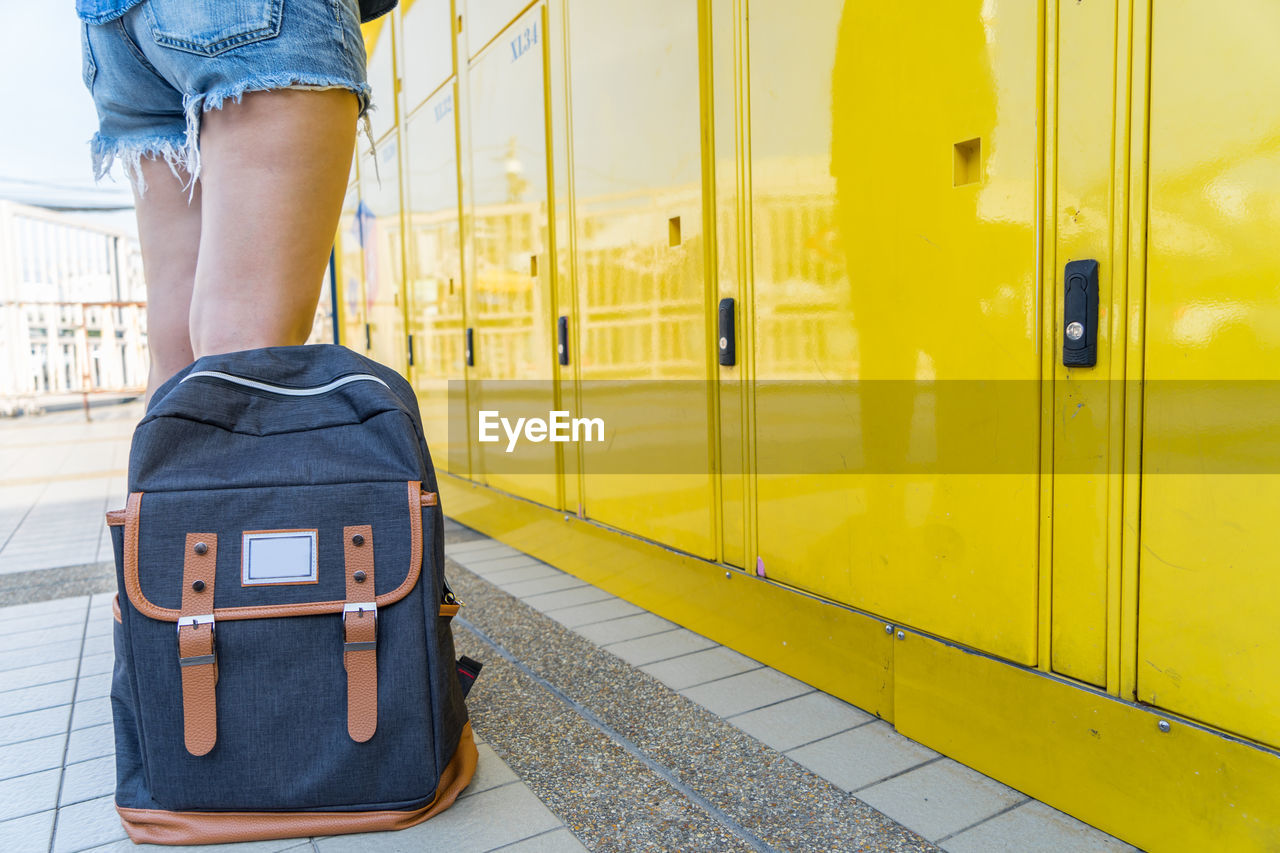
[281, 389]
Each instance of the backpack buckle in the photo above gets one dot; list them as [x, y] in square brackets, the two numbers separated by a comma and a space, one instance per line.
[360, 608]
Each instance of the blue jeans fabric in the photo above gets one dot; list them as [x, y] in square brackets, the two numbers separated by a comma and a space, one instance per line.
[154, 70]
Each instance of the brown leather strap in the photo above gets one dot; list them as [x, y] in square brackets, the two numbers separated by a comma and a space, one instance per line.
[196, 653]
[360, 634]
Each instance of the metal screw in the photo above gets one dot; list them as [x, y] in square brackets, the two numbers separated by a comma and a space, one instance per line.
[1075, 331]
[1164, 726]
[728, 575]
[198, 586]
[902, 635]
[888, 629]
[201, 548]
[357, 539]
[724, 343]
[359, 577]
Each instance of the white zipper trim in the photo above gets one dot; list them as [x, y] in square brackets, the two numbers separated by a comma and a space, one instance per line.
[280, 389]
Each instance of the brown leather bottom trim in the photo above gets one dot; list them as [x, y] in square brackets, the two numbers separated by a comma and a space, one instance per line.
[153, 826]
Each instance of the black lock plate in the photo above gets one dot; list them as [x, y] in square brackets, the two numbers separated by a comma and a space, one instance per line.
[1080, 314]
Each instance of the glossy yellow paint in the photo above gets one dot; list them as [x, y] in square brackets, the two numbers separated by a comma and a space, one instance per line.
[1089, 754]
[435, 287]
[644, 354]
[845, 653]
[1207, 642]
[512, 305]
[888, 284]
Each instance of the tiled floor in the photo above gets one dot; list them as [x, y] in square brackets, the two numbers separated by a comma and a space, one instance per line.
[57, 766]
[945, 802]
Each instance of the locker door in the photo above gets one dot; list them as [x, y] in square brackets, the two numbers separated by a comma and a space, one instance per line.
[894, 152]
[349, 270]
[434, 282]
[511, 299]
[1208, 595]
[642, 319]
[379, 215]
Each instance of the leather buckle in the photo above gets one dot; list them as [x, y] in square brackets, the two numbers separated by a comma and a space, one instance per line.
[193, 621]
[360, 608]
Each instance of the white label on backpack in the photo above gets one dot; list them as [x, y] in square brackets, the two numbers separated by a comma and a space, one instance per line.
[278, 556]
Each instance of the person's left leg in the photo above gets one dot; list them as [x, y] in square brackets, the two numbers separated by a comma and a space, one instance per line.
[273, 174]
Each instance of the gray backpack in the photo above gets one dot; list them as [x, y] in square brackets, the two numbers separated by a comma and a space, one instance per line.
[284, 656]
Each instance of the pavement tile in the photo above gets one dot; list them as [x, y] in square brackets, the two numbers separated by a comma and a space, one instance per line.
[555, 583]
[490, 819]
[41, 638]
[91, 712]
[656, 647]
[625, 628]
[532, 571]
[87, 780]
[24, 795]
[279, 845]
[699, 667]
[597, 611]
[49, 653]
[91, 742]
[99, 628]
[88, 824]
[35, 698]
[36, 608]
[28, 756]
[39, 621]
[556, 841]
[1034, 828]
[28, 834]
[43, 672]
[96, 644]
[746, 692]
[552, 601]
[491, 771]
[486, 566]
[803, 719]
[93, 686]
[940, 798]
[34, 724]
[862, 756]
[97, 664]
[481, 544]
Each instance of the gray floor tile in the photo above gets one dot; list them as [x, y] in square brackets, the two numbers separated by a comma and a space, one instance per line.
[40, 639]
[940, 798]
[552, 601]
[35, 724]
[41, 621]
[124, 845]
[532, 571]
[625, 628]
[93, 686]
[35, 698]
[487, 566]
[88, 780]
[656, 647]
[92, 742]
[745, 692]
[92, 823]
[28, 834]
[97, 664]
[24, 795]
[49, 653]
[555, 583]
[700, 667]
[597, 611]
[491, 819]
[36, 608]
[91, 712]
[804, 719]
[28, 756]
[96, 645]
[491, 771]
[43, 672]
[1034, 828]
[557, 841]
[481, 544]
[863, 756]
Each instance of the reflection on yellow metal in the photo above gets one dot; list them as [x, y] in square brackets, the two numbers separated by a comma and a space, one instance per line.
[889, 193]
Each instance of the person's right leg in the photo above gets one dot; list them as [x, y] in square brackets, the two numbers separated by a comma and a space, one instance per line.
[169, 235]
[274, 170]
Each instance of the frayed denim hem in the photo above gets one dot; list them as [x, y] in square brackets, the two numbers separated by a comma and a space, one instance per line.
[183, 152]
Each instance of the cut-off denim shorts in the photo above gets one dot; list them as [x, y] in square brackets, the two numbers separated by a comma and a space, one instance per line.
[154, 71]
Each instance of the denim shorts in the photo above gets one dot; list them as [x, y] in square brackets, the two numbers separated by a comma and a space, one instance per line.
[156, 69]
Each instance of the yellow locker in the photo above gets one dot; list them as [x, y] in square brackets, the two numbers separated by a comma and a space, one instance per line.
[379, 215]
[434, 285]
[1207, 638]
[511, 302]
[426, 55]
[642, 300]
[896, 310]
[349, 270]
[484, 20]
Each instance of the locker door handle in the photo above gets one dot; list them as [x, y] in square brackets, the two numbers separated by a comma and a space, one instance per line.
[562, 339]
[410, 344]
[728, 343]
[1080, 314]
[368, 338]
[471, 347]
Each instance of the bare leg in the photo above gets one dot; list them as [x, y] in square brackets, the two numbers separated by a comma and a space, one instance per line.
[169, 233]
[274, 171]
